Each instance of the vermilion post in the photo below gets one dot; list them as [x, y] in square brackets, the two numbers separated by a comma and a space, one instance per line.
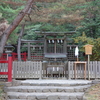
[9, 68]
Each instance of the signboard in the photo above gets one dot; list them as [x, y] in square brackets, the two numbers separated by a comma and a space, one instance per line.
[88, 49]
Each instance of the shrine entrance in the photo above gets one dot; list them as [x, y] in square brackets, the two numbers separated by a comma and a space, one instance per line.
[52, 49]
[55, 55]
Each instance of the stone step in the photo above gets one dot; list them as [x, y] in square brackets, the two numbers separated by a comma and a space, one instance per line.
[18, 99]
[45, 96]
[46, 88]
[55, 82]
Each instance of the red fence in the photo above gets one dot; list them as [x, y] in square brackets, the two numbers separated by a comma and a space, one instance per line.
[14, 56]
[9, 72]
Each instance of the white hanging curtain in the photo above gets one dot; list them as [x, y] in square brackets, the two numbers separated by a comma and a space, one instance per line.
[76, 51]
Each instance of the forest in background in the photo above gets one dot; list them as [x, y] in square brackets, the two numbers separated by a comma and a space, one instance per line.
[82, 16]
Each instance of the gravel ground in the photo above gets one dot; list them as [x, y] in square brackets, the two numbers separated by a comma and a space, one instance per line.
[93, 92]
[2, 84]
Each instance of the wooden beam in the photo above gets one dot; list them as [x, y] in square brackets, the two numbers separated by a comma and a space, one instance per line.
[55, 33]
[43, 45]
[33, 46]
[32, 41]
[72, 45]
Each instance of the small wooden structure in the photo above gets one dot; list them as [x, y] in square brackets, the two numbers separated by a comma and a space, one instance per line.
[51, 48]
[38, 48]
[84, 68]
[35, 49]
[55, 54]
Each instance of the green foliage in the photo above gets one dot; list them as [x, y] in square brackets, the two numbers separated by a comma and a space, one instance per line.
[57, 28]
[30, 33]
[96, 50]
[91, 22]
[7, 12]
[0, 15]
[13, 38]
[83, 40]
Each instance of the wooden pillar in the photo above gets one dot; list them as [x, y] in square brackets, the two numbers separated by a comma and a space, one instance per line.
[55, 46]
[40, 70]
[29, 51]
[69, 77]
[64, 47]
[9, 68]
[45, 44]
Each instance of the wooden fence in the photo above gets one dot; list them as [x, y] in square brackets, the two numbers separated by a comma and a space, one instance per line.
[94, 67]
[29, 69]
[23, 70]
[8, 66]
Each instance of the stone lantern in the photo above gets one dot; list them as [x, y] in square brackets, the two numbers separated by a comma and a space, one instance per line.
[9, 49]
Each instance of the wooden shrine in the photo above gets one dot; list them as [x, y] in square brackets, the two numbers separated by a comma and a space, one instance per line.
[55, 53]
[52, 50]
[38, 49]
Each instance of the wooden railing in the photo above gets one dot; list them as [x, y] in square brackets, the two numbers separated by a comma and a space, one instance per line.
[30, 69]
[94, 69]
[27, 69]
[14, 56]
[8, 68]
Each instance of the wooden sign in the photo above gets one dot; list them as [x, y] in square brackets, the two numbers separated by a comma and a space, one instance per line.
[88, 49]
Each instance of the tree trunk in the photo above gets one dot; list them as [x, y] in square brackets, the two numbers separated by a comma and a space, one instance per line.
[19, 43]
[13, 25]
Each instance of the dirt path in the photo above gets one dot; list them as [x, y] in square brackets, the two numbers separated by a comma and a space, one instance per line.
[2, 84]
[94, 92]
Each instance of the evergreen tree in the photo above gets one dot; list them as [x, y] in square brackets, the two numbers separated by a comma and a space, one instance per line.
[91, 23]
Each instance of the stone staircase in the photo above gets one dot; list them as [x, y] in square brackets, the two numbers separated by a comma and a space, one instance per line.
[47, 89]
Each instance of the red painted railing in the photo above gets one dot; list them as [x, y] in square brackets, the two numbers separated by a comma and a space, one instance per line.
[23, 56]
[3, 57]
[14, 56]
[9, 73]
